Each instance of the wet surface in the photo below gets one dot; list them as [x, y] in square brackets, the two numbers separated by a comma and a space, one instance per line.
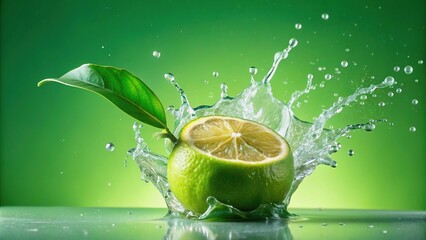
[145, 223]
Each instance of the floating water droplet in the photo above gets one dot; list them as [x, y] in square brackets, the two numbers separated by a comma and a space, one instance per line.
[131, 151]
[396, 68]
[253, 70]
[327, 76]
[363, 97]
[408, 69]
[156, 54]
[321, 85]
[398, 90]
[412, 129]
[369, 127]
[110, 146]
[351, 152]
[298, 26]
[215, 74]
[169, 77]
[206, 81]
[384, 231]
[224, 90]
[416, 80]
[292, 43]
[325, 16]
[420, 61]
[382, 104]
[102, 46]
[344, 63]
[389, 80]
[390, 94]
[415, 102]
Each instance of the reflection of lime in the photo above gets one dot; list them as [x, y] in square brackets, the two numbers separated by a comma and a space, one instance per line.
[239, 162]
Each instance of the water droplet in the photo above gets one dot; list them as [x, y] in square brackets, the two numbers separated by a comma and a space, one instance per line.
[398, 90]
[169, 77]
[384, 231]
[408, 69]
[416, 80]
[420, 61]
[321, 85]
[344, 63]
[370, 226]
[325, 16]
[342, 224]
[109, 184]
[253, 70]
[292, 43]
[110, 146]
[415, 102]
[412, 129]
[102, 46]
[156, 54]
[130, 213]
[62, 172]
[396, 68]
[215, 74]
[113, 224]
[369, 127]
[363, 97]
[347, 50]
[390, 94]
[351, 152]
[159, 226]
[206, 81]
[81, 214]
[327, 76]
[324, 224]
[374, 95]
[382, 104]
[389, 80]
[224, 90]
[298, 26]
[131, 151]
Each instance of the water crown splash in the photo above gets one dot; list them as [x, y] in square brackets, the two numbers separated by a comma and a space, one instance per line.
[311, 143]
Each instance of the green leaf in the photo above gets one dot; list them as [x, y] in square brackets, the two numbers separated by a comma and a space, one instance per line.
[120, 87]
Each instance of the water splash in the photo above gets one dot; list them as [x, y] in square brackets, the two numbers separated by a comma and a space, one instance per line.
[311, 143]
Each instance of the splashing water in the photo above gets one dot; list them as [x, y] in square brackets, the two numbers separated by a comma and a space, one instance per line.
[311, 143]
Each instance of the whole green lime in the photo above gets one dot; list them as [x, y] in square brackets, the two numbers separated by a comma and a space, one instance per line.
[239, 162]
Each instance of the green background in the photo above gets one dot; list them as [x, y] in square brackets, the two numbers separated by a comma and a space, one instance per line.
[53, 138]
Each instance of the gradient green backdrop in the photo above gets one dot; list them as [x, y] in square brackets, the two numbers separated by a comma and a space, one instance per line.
[53, 138]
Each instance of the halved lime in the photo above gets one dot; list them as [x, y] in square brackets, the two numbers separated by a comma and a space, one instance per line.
[239, 162]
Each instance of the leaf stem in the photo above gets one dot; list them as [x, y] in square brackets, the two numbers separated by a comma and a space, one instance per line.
[170, 136]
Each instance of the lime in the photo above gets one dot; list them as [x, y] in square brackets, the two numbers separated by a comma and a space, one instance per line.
[239, 162]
